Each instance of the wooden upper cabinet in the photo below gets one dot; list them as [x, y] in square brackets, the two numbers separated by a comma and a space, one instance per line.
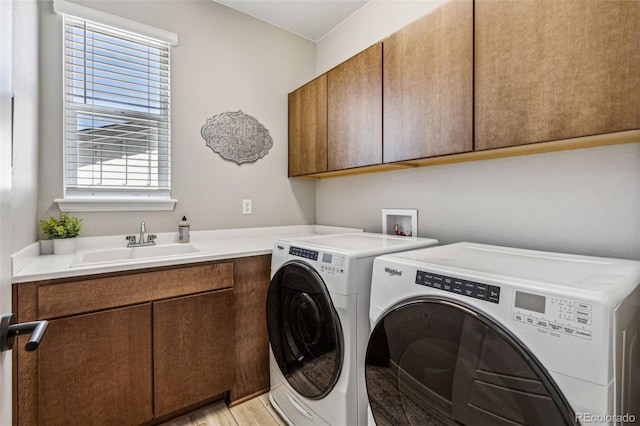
[308, 128]
[428, 85]
[354, 110]
[555, 69]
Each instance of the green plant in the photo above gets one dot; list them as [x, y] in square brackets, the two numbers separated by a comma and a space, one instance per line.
[63, 226]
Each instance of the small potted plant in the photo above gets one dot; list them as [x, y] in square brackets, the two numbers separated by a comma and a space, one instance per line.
[62, 230]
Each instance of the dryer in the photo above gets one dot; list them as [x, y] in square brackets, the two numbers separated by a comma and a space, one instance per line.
[483, 335]
[317, 320]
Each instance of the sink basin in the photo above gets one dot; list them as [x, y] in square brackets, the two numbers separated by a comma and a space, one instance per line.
[131, 253]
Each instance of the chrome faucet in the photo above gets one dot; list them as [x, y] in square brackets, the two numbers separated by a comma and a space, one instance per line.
[151, 238]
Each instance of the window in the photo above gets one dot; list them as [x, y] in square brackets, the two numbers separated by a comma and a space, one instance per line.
[117, 122]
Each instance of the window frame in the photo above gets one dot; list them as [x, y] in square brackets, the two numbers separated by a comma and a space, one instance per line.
[115, 199]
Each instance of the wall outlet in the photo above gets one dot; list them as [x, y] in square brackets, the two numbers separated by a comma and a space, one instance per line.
[246, 207]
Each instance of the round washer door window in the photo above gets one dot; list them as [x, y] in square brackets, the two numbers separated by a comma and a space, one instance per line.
[432, 361]
[304, 330]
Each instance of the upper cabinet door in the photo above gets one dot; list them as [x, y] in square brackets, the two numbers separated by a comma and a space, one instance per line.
[428, 85]
[555, 69]
[308, 128]
[354, 99]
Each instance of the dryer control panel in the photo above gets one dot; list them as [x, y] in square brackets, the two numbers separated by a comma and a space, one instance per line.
[557, 315]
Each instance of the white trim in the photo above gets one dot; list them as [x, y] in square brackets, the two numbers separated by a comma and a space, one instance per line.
[114, 205]
[67, 8]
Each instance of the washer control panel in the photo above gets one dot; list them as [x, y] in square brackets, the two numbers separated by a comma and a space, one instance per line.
[301, 252]
[556, 315]
[490, 293]
[332, 263]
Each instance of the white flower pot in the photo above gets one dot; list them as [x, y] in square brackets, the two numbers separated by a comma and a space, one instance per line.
[64, 245]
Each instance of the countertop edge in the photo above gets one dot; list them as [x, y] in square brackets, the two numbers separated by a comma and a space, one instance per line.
[130, 267]
[217, 245]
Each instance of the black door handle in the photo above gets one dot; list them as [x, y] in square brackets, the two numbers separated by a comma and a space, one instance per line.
[9, 330]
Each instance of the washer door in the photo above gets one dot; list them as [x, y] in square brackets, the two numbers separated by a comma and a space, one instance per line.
[433, 361]
[304, 330]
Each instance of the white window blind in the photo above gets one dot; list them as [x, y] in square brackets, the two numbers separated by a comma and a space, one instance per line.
[117, 127]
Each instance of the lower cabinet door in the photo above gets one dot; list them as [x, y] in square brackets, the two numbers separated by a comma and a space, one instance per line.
[96, 369]
[193, 347]
[250, 286]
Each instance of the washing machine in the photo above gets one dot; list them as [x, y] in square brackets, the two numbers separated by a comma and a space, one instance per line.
[317, 320]
[471, 334]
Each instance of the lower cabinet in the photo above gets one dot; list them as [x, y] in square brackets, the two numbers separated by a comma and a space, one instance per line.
[193, 353]
[251, 284]
[96, 368]
[147, 345]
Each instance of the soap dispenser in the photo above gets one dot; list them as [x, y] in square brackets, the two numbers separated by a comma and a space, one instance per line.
[183, 230]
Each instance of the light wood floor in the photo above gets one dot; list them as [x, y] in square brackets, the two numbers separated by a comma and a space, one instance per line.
[256, 411]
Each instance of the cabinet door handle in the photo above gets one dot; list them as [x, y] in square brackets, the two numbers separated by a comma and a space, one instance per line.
[9, 330]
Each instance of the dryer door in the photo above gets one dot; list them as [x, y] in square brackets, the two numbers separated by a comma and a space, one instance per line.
[439, 362]
[304, 330]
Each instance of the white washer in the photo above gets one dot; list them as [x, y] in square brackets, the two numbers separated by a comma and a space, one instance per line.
[317, 318]
[486, 335]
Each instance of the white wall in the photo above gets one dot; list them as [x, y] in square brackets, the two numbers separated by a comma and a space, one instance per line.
[18, 163]
[24, 200]
[6, 14]
[370, 24]
[225, 61]
[583, 201]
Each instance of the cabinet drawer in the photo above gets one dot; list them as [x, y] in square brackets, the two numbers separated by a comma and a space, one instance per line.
[60, 299]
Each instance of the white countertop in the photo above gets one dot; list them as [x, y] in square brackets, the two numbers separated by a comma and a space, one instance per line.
[30, 265]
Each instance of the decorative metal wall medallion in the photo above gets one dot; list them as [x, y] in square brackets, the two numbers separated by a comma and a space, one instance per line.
[237, 136]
